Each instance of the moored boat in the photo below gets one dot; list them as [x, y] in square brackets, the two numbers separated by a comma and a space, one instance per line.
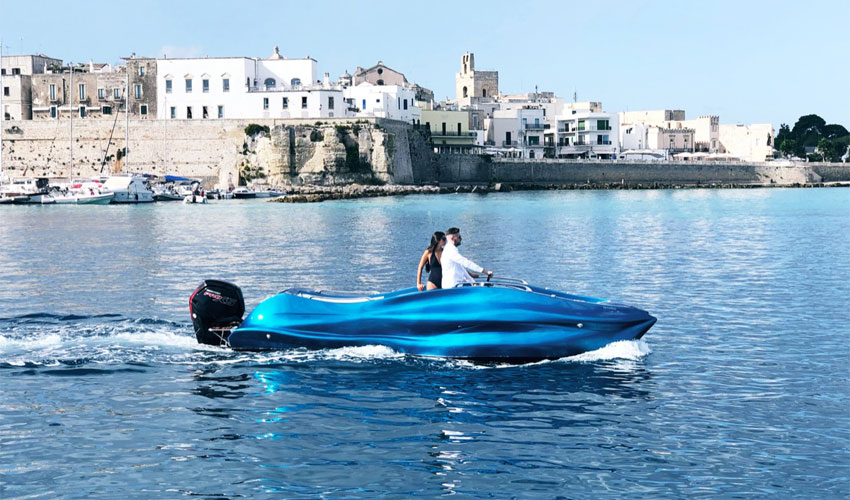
[501, 320]
[129, 189]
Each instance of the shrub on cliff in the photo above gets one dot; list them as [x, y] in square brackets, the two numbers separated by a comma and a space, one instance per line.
[253, 129]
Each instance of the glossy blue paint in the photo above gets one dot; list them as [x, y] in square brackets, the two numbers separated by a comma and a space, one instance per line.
[499, 320]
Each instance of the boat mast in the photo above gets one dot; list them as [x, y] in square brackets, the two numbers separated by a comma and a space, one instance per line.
[127, 127]
[2, 114]
[71, 124]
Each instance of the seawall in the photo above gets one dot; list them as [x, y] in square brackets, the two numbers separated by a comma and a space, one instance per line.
[460, 169]
[340, 152]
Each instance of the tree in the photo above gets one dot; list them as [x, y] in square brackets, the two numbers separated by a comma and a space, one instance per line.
[826, 149]
[787, 147]
[807, 130]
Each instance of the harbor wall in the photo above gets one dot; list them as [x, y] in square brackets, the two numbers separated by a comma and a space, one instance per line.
[464, 169]
[338, 152]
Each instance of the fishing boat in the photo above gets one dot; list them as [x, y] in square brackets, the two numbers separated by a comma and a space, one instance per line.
[502, 319]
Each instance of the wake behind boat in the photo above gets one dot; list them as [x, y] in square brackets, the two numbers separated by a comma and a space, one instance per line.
[504, 319]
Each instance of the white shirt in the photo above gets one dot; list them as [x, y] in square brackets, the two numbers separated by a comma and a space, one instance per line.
[455, 266]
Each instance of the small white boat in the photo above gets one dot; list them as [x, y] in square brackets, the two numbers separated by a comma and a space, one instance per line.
[195, 198]
[82, 198]
[129, 189]
[28, 190]
[244, 192]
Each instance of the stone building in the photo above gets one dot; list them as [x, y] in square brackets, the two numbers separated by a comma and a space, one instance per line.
[17, 73]
[472, 84]
[379, 74]
[96, 92]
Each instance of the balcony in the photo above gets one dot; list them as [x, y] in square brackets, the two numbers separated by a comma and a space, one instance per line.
[509, 144]
[451, 133]
[533, 126]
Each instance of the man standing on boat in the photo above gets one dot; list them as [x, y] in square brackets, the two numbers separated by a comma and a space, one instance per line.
[455, 265]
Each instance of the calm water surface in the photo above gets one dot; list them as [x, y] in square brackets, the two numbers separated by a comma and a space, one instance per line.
[742, 389]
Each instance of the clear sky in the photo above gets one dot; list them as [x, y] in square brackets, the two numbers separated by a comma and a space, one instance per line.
[749, 61]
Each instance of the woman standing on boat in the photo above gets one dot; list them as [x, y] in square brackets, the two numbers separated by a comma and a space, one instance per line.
[431, 262]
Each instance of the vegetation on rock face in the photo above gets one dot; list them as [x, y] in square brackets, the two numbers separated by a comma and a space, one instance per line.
[812, 131]
[253, 129]
[248, 173]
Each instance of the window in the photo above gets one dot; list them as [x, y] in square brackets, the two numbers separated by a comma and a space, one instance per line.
[52, 92]
[295, 82]
[285, 103]
[225, 85]
[603, 125]
[380, 82]
[221, 111]
[458, 128]
[465, 92]
[483, 92]
[204, 113]
[116, 93]
[380, 72]
[330, 103]
[173, 112]
[364, 105]
[141, 70]
[581, 124]
[101, 93]
[82, 112]
[534, 140]
[143, 110]
[52, 111]
[269, 83]
[189, 112]
[399, 103]
[168, 86]
[16, 71]
[188, 85]
[405, 104]
[205, 86]
[5, 90]
[265, 103]
[304, 102]
[106, 110]
[137, 91]
[82, 91]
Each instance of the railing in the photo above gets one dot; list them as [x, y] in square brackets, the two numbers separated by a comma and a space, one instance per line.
[451, 133]
[509, 144]
[534, 126]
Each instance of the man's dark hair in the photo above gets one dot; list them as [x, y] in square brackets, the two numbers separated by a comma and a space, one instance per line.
[452, 230]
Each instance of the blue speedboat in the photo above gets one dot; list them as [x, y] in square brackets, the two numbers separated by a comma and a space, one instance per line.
[501, 319]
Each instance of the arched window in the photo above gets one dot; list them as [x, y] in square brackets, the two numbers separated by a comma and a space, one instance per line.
[269, 83]
[465, 92]
[380, 82]
[295, 82]
[483, 92]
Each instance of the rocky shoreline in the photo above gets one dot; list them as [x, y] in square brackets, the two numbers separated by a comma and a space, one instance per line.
[315, 193]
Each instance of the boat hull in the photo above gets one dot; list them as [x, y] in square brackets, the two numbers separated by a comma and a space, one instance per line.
[469, 322]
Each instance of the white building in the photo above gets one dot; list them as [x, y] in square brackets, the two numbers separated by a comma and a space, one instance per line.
[243, 87]
[383, 101]
[662, 142]
[516, 132]
[748, 142]
[584, 134]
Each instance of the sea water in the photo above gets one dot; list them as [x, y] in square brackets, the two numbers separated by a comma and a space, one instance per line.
[740, 390]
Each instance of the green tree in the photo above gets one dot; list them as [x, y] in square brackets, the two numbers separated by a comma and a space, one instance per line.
[808, 130]
[788, 146]
[826, 149]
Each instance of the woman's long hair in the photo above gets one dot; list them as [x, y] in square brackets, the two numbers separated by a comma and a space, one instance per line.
[436, 239]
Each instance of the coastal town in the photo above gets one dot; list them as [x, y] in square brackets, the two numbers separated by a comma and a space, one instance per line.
[186, 117]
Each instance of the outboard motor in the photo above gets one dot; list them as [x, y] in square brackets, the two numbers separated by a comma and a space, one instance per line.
[216, 307]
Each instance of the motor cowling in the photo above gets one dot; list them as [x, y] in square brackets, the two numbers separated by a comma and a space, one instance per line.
[218, 306]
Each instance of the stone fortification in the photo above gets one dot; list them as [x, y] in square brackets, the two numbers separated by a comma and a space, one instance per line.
[474, 169]
[341, 151]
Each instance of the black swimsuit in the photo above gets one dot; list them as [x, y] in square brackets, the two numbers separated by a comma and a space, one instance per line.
[436, 274]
